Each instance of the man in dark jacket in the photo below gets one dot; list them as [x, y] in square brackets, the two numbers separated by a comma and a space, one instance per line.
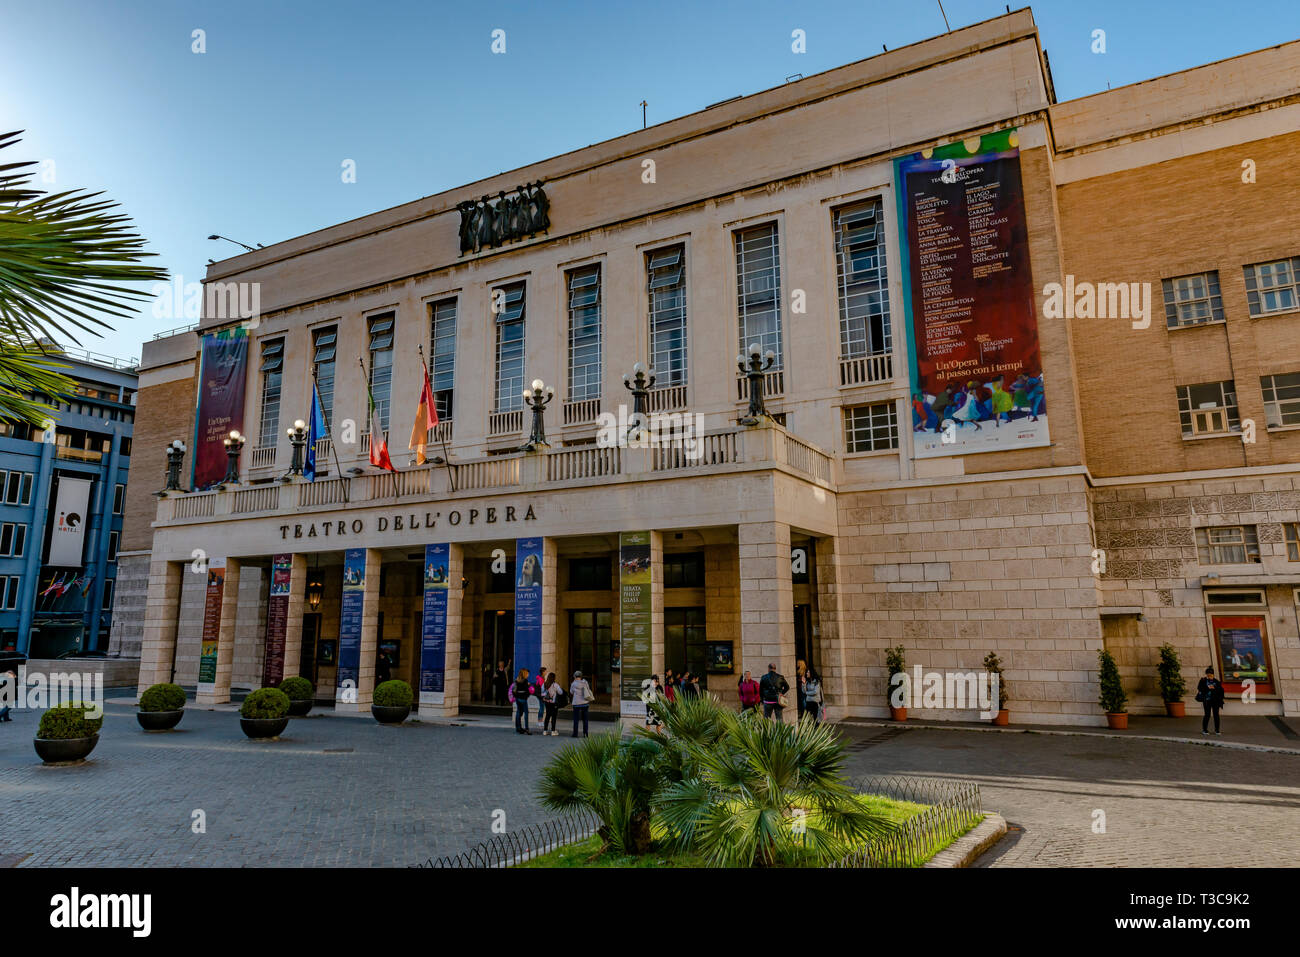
[1209, 691]
[770, 689]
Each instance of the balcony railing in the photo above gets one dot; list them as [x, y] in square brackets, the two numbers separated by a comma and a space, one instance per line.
[262, 458]
[671, 398]
[727, 451]
[79, 455]
[773, 386]
[581, 411]
[506, 423]
[863, 370]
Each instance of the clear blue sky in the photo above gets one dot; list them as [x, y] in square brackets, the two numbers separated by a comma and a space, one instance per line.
[248, 138]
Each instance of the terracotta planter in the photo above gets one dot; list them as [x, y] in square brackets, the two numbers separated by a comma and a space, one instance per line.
[65, 750]
[1176, 709]
[897, 714]
[159, 720]
[299, 708]
[264, 727]
[1117, 721]
[1002, 718]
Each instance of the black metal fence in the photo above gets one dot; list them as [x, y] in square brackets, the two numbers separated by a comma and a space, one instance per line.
[507, 849]
[954, 808]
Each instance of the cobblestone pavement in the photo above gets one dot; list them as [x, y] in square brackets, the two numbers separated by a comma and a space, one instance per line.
[344, 791]
[1166, 804]
[395, 797]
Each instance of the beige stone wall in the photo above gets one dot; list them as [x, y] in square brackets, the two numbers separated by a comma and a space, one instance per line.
[952, 572]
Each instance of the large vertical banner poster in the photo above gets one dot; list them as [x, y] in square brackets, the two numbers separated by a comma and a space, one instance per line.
[528, 604]
[211, 625]
[433, 636]
[634, 583]
[354, 597]
[277, 620]
[223, 368]
[68, 529]
[977, 379]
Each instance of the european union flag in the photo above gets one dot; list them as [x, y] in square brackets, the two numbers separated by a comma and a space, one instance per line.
[315, 432]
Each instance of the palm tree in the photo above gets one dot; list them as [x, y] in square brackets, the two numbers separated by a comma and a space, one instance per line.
[765, 793]
[614, 779]
[62, 256]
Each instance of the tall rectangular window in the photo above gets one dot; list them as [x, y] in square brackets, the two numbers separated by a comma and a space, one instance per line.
[666, 274]
[107, 603]
[871, 428]
[1273, 287]
[119, 498]
[381, 366]
[1292, 530]
[758, 288]
[1192, 300]
[272, 374]
[113, 538]
[442, 348]
[1281, 399]
[1209, 408]
[324, 347]
[862, 280]
[584, 333]
[11, 587]
[508, 304]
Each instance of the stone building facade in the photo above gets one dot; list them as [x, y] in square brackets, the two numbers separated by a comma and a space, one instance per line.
[789, 538]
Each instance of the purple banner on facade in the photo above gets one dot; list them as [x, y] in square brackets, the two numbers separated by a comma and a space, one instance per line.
[528, 604]
[223, 368]
[354, 593]
[433, 640]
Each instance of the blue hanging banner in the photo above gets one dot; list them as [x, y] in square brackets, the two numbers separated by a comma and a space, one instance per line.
[354, 593]
[528, 604]
[433, 640]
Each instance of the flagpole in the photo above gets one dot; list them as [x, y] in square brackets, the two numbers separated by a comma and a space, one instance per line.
[446, 455]
[333, 449]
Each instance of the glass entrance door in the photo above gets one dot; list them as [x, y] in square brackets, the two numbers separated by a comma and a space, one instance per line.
[498, 646]
[589, 639]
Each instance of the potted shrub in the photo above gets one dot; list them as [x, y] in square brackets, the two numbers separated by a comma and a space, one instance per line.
[1172, 686]
[392, 702]
[161, 707]
[66, 735]
[896, 662]
[264, 713]
[993, 665]
[1113, 697]
[300, 693]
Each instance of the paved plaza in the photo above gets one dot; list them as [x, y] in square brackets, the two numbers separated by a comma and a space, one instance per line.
[344, 791]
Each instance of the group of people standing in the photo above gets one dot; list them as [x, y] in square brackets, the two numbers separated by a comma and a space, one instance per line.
[976, 402]
[770, 691]
[551, 696]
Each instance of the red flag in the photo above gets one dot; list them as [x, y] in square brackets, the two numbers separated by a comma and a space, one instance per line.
[426, 417]
[378, 444]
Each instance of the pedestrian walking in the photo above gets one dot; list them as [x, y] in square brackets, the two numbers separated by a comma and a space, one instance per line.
[541, 703]
[747, 688]
[521, 690]
[771, 691]
[800, 670]
[812, 695]
[1209, 692]
[500, 683]
[581, 695]
[552, 699]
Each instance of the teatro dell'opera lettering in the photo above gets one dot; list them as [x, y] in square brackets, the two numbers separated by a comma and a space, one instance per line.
[408, 521]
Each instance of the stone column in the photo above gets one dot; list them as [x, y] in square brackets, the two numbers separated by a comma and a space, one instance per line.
[450, 706]
[220, 693]
[550, 605]
[161, 616]
[297, 608]
[831, 627]
[767, 603]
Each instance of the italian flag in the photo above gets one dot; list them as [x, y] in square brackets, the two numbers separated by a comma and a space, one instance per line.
[378, 444]
[426, 417]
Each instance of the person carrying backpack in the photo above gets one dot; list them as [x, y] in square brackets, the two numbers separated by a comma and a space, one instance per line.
[553, 698]
[771, 691]
[520, 691]
[1209, 691]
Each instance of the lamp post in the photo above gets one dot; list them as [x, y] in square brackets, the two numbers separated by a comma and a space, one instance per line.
[537, 398]
[298, 441]
[175, 456]
[754, 367]
[234, 444]
[639, 384]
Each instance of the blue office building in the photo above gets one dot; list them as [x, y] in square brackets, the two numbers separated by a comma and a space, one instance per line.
[62, 494]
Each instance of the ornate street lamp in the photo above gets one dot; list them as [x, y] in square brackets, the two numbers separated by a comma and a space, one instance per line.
[537, 398]
[298, 440]
[754, 368]
[315, 592]
[175, 456]
[639, 384]
[234, 444]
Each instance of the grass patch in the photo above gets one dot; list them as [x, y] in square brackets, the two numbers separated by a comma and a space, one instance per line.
[591, 852]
